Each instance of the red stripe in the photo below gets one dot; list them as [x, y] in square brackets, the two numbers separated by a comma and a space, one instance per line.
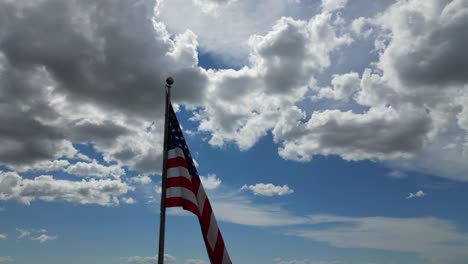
[206, 217]
[184, 203]
[180, 182]
[177, 162]
[219, 249]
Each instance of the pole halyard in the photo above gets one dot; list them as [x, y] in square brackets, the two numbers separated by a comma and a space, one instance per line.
[162, 222]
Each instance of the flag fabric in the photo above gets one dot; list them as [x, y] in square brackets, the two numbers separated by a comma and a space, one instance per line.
[184, 189]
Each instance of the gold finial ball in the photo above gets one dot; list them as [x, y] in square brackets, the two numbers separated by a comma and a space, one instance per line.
[169, 80]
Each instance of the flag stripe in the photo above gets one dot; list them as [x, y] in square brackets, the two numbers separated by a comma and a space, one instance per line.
[178, 172]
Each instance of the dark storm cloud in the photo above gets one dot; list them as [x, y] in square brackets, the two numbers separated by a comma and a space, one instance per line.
[110, 55]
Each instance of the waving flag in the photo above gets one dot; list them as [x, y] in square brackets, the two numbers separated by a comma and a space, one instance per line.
[184, 189]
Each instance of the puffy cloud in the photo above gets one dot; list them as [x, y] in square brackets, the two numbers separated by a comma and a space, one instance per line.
[128, 200]
[253, 99]
[93, 169]
[418, 194]
[210, 182]
[46, 166]
[268, 189]
[333, 5]
[84, 76]
[46, 188]
[433, 238]
[3, 236]
[380, 133]
[140, 179]
[44, 238]
[343, 87]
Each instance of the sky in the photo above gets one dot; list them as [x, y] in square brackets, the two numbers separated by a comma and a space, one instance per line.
[325, 132]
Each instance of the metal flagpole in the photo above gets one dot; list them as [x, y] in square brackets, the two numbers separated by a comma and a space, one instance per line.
[162, 222]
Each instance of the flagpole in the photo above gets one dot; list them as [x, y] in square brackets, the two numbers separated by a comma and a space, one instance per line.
[162, 222]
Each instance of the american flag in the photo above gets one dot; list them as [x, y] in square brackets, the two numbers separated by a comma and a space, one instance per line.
[184, 189]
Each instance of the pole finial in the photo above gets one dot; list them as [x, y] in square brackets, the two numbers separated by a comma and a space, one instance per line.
[169, 81]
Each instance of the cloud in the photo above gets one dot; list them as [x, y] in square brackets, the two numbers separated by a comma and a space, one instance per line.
[23, 233]
[93, 85]
[46, 166]
[210, 182]
[432, 238]
[268, 189]
[234, 208]
[3, 236]
[44, 238]
[140, 179]
[128, 200]
[6, 259]
[93, 169]
[46, 188]
[418, 194]
[333, 5]
[169, 259]
[307, 261]
[195, 261]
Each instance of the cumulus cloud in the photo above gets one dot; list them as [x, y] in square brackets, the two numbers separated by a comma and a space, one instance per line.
[418, 194]
[140, 179]
[333, 5]
[94, 169]
[3, 236]
[268, 189]
[210, 182]
[46, 188]
[83, 76]
[44, 238]
[128, 200]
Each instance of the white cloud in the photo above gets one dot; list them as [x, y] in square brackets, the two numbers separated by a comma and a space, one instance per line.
[3, 236]
[418, 194]
[44, 238]
[333, 5]
[140, 179]
[268, 189]
[128, 200]
[343, 87]
[432, 238]
[46, 188]
[169, 259]
[94, 169]
[210, 182]
[23, 233]
[46, 166]
[234, 208]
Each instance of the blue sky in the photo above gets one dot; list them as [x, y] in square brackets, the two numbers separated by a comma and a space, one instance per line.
[325, 131]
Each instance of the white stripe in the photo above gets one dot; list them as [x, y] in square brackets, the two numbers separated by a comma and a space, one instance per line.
[201, 197]
[175, 152]
[178, 172]
[226, 258]
[212, 232]
[182, 192]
